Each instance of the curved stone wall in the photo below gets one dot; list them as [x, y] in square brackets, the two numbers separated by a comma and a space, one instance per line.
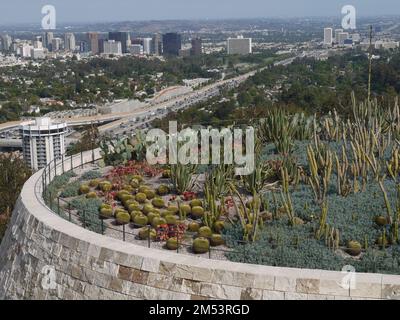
[45, 257]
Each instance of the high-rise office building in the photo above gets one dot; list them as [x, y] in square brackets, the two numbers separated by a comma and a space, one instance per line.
[147, 44]
[328, 36]
[6, 42]
[42, 142]
[157, 45]
[239, 45]
[337, 31]
[37, 42]
[197, 47]
[69, 41]
[112, 47]
[342, 37]
[93, 38]
[47, 39]
[55, 44]
[172, 44]
[83, 46]
[123, 37]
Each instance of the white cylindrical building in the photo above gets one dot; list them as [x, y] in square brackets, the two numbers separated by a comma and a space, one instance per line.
[43, 141]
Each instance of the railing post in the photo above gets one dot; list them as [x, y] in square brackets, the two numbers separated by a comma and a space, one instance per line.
[69, 212]
[58, 205]
[72, 165]
[84, 220]
[81, 159]
[177, 243]
[62, 159]
[49, 172]
[102, 226]
[123, 232]
[148, 237]
[55, 167]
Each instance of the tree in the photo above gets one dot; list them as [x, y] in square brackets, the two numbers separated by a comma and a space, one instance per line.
[13, 174]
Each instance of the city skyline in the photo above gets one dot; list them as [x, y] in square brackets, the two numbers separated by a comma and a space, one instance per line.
[122, 10]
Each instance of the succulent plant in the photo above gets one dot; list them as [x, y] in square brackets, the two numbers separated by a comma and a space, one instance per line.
[137, 177]
[143, 189]
[134, 183]
[141, 220]
[158, 221]
[121, 193]
[219, 226]
[353, 248]
[193, 227]
[196, 203]
[158, 203]
[381, 221]
[171, 220]
[144, 234]
[197, 212]
[106, 213]
[186, 209]
[127, 197]
[94, 183]
[123, 217]
[166, 174]
[141, 197]
[134, 214]
[128, 188]
[147, 208]
[173, 209]
[84, 189]
[134, 207]
[172, 244]
[150, 194]
[91, 195]
[105, 186]
[201, 245]
[163, 190]
[205, 232]
[216, 240]
[151, 216]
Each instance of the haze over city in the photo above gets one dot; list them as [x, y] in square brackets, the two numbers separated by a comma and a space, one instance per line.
[73, 11]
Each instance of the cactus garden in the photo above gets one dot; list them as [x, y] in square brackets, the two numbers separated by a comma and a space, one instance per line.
[325, 193]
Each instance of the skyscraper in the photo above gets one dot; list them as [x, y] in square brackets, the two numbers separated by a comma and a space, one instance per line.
[47, 39]
[69, 41]
[172, 43]
[197, 47]
[55, 44]
[123, 37]
[239, 45]
[112, 47]
[147, 44]
[157, 45]
[337, 31]
[5, 42]
[328, 34]
[94, 42]
[342, 37]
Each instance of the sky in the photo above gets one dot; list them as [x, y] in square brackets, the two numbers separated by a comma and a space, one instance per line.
[74, 11]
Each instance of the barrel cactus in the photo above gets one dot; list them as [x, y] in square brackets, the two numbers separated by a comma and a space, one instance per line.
[147, 208]
[163, 190]
[134, 207]
[105, 186]
[91, 195]
[172, 244]
[141, 220]
[151, 216]
[219, 226]
[173, 209]
[193, 227]
[166, 174]
[171, 220]
[141, 197]
[137, 177]
[123, 217]
[84, 189]
[94, 183]
[144, 234]
[201, 245]
[106, 213]
[353, 248]
[186, 209]
[135, 183]
[381, 221]
[196, 203]
[216, 240]
[197, 212]
[150, 194]
[158, 203]
[205, 232]
[134, 214]
[158, 221]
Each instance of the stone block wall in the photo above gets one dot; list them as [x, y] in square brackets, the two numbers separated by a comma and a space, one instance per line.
[45, 257]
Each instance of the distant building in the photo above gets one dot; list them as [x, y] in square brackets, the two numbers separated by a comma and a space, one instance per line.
[6, 42]
[185, 52]
[42, 142]
[197, 47]
[123, 37]
[47, 39]
[239, 45]
[328, 36]
[172, 44]
[156, 45]
[342, 37]
[337, 31]
[56, 44]
[94, 42]
[37, 53]
[136, 49]
[112, 47]
[69, 41]
[25, 50]
[83, 46]
[147, 45]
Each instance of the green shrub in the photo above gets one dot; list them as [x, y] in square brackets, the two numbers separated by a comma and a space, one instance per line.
[91, 175]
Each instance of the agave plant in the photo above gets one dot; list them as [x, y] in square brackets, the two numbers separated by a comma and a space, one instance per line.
[182, 177]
